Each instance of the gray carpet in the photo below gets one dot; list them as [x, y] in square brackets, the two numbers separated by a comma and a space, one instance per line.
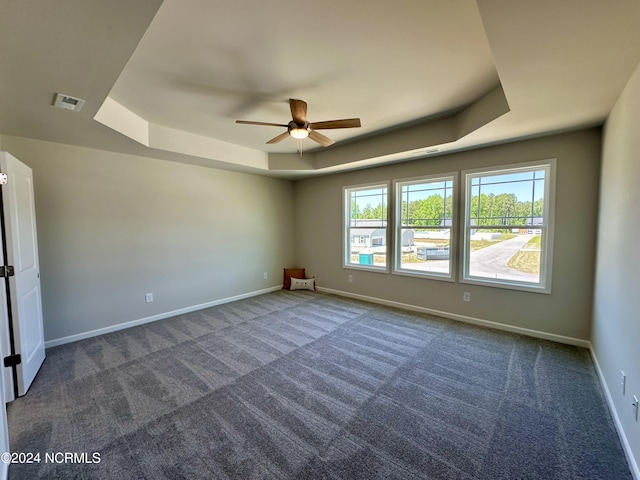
[304, 385]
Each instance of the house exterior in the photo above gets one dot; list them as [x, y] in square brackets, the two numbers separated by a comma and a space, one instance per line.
[377, 237]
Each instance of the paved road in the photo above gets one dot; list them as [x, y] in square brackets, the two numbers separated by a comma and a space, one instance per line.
[492, 261]
[488, 262]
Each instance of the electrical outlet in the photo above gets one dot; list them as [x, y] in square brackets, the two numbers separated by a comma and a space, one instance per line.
[635, 407]
[623, 382]
[265, 275]
[350, 278]
[466, 296]
[148, 297]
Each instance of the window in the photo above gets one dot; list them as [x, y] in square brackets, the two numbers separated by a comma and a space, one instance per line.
[424, 223]
[509, 226]
[365, 227]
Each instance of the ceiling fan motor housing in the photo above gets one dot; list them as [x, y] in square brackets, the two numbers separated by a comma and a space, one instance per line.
[297, 130]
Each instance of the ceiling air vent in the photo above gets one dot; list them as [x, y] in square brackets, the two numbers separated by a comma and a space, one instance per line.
[67, 102]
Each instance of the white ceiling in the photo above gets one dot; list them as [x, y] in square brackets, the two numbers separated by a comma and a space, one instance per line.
[203, 64]
[421, 74]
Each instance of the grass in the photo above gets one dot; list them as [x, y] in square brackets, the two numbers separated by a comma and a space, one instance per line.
[528, 258]
[431, 241]
[535, 242]
[379, 259]
[410, 258]
[478, 244]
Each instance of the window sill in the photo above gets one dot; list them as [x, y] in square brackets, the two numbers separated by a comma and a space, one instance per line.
[507, 285]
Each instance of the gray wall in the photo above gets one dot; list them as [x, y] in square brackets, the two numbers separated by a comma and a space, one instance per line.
[616, 319]
[566, 311]
[113, 227]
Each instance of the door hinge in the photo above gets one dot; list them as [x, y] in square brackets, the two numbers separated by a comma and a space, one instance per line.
[7, 271]
[12, 360]
[3, 179]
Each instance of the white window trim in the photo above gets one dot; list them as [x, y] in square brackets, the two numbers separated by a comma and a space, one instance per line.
[397, 220]
[346, 219]
[546, 260]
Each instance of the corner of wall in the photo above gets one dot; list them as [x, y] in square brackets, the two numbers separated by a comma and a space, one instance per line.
[633, 465]
[615, 327]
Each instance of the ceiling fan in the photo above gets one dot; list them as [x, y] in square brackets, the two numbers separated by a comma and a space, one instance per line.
[300, 128]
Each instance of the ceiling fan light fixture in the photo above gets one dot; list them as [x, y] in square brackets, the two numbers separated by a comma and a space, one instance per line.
[299, 132]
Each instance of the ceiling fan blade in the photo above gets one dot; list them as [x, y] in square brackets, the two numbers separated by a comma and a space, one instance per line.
[298, 111]
[344, 123]
[321, 139]
[279, 138]
[246, 122]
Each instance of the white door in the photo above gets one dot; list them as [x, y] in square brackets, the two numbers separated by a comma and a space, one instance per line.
[6, 382]
[5, 342]
[25, 303]
[4, 429]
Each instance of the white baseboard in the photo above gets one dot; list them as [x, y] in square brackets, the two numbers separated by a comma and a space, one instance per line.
[633, 464]
[464, 318]
[153, 318]
[405, 306]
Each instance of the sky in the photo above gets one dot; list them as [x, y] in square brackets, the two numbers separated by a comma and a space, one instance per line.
[522, 184]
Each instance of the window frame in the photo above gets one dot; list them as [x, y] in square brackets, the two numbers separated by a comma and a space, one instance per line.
[547, 229]
[346, 227]
[398, 227]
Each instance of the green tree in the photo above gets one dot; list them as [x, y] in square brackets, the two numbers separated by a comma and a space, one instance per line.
[538, 207]
[428, 211]
[355, 211]
[504, 209]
